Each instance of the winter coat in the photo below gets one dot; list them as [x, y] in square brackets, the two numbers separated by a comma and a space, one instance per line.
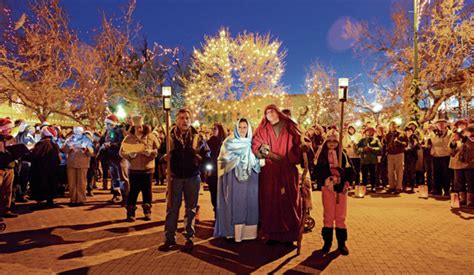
[396, 142]
[188, 152]
[440, 144]
[349, 143]
[323, 170]
[457, 148]
[369, 148]
[141, 163]
[6, 159]
[79, 150]
[412, 148]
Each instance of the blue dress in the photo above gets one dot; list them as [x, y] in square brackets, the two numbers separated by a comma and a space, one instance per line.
[237, 187]
[237, 203]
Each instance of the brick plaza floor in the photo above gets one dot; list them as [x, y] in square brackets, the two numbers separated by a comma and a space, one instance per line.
[387, 235]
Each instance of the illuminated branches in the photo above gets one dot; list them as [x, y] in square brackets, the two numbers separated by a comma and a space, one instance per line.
[227, 71]
[320, 87]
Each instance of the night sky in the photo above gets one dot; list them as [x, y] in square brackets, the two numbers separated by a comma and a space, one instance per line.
[309, 29]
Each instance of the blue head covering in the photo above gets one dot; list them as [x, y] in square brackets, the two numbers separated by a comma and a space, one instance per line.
[236, 152]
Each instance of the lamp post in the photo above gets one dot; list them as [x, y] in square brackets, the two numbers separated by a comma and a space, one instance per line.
[166, 94]
[343, 84]
[377, 109]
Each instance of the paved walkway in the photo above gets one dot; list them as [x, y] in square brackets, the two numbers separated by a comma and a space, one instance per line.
[387, 234]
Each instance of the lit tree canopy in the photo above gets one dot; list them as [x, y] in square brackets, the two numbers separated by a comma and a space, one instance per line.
[445, 40]
[320, 87]
[227, 71]
[33, 63]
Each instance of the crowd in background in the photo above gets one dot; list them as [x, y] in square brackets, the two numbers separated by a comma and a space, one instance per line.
[70, 161]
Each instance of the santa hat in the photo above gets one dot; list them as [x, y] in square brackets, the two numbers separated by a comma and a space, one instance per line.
[6, 123]
[49, 131]
[112, 119]
[44, 124]
[332, 135]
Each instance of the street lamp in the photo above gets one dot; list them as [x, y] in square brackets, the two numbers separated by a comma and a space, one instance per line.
[121, 112]
[343, 85]
[398, 121]
[377, 108]
[166, 94]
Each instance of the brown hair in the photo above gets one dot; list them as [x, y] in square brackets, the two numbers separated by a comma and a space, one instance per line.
[182, 111]
[221, 130]
[146, 130]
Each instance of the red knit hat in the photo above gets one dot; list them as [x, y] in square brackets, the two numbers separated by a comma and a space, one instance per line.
[461, 122]
[369, 129]
[112, 119]
[6, 123]
[49, 131]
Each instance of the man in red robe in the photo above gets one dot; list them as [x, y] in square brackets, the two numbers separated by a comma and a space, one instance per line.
[277, 140]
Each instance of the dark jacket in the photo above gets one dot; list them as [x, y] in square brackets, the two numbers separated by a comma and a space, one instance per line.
[411, 151]
[323, 170]
[188, 152]
[114, 138]
[369, 148]
[396, 142]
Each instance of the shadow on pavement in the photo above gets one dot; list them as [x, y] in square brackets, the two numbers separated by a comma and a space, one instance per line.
[314, 264]
[82, 270]
[383, 195]
[30, 239]
[460, 211]
[245, 257]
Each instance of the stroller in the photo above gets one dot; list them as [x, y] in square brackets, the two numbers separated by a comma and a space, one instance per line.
[307, 223]
[3, 226]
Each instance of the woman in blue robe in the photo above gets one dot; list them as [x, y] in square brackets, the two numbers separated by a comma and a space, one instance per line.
[237, 187]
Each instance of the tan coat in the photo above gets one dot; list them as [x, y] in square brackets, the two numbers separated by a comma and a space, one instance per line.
[454, 161]
[78, 158]
[141, 162]
[440, 147]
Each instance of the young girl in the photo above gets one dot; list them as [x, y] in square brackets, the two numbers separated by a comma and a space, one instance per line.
[336, 177]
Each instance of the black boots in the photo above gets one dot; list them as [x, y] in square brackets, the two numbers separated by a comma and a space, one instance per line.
[131, 213]
[147, 211]
[326, 232]
[341, 236]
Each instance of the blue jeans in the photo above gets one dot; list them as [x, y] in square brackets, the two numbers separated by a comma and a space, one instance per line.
[190, 188]
[119, 176]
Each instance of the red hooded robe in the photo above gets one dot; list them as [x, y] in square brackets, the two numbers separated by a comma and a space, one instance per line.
[279, 196]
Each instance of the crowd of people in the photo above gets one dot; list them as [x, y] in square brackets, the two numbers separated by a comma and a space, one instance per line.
[253, 176]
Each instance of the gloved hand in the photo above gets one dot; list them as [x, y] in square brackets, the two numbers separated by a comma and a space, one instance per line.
[274, 156]
[264, 149]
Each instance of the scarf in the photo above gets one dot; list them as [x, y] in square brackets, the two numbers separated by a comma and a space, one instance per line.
[333, 162]
[236, 152]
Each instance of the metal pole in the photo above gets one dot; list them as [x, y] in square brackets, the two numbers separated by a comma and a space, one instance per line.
[341, 134]
[168, 161]
[415, 54]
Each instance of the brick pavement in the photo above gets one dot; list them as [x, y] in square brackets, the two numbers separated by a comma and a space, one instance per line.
[389, 235]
